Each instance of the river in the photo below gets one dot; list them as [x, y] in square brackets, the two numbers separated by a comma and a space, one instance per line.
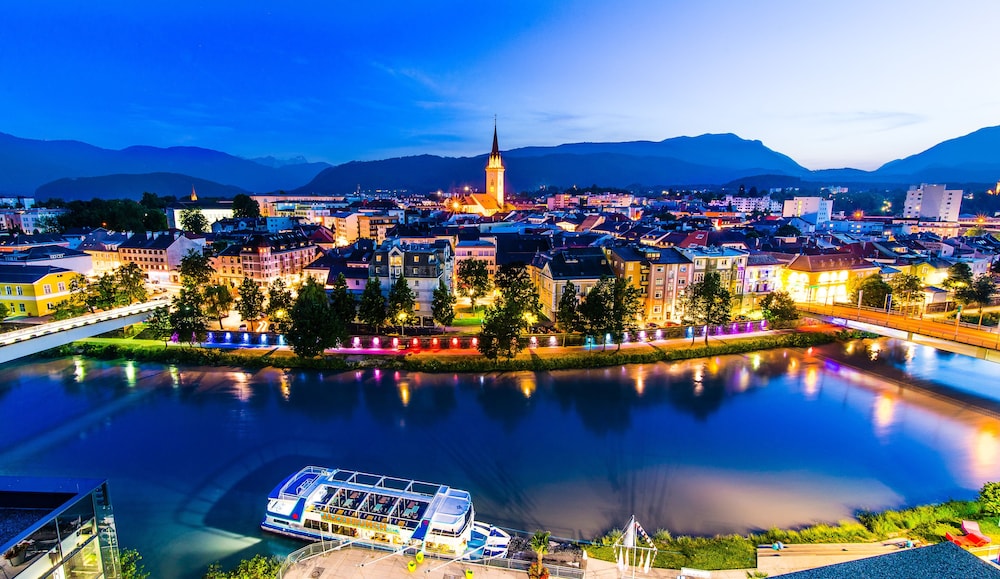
[726, 444]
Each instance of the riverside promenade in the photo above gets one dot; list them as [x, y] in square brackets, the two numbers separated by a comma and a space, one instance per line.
[347, 563]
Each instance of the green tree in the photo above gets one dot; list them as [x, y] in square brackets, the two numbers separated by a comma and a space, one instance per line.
[83, 295]
[158, 324]
[907, 290]
[873, 291]
[539, 543]
[611, 308]
[105, 294]
[473, 279]
[778, 306]
[153, 207]
[312, 325]
[130, 563]
[501, 331]
[788, 230]
[568, 314]
[517, 290]
[371, 310]
[707, 303]
[187, 317]
[514, 310]
[989, 498]
[959, 276]
[194, 220]
[245, 206]
[342, 301]
[979, 292]
[279, 304]
[4, 311]
[218, 301]
[131, 281]
[257, 567]
[443, 305]
[400, 303]
[250, 303]
[196, 270]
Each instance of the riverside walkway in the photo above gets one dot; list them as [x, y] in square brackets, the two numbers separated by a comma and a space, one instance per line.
[27, 341]
[961, 338]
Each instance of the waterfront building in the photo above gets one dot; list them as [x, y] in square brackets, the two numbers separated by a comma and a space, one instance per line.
[760, 278]
[662, 274]
[729, 263]
[424, 265]
[267, 257]
[552, 270]
[33, 290]
[825, 278]
[932, 202]
[159, 253]
[57, 527]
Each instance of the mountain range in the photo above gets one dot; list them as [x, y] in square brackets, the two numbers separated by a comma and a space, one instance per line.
[76, 170]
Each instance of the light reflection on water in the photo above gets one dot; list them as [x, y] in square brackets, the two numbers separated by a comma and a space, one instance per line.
[715, 445]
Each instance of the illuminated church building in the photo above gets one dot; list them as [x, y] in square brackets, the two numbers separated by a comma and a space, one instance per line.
[492, 201]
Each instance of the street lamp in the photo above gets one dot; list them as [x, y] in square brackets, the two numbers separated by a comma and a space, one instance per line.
[401, 317]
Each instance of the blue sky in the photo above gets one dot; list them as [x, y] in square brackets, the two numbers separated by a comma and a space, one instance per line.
[848, 83]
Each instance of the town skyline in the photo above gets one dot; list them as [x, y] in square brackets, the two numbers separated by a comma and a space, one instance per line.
[829, 85]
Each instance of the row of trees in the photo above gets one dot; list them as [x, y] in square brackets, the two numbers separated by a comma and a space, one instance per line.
[611, 308]
[124, 286]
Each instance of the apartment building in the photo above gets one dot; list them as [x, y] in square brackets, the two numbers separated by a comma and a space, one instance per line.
[424, 265]
[265, 257]
[159, 253]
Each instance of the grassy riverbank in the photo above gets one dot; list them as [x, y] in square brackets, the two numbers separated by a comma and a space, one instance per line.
[927, 524]
[149, 351]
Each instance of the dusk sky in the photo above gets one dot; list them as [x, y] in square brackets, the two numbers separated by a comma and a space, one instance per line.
[847, 83]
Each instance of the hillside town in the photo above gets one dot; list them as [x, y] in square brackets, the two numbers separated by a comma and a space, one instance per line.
[659, 244]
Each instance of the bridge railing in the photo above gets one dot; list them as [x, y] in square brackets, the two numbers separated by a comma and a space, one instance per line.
[23, 334]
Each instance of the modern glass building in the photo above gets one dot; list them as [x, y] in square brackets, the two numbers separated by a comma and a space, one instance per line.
[57, 528]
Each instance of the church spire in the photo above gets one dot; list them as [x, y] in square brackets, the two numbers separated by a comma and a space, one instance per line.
[496, 144]
[495, 170]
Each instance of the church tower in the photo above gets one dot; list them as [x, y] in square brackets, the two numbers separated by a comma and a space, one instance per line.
[494, 172]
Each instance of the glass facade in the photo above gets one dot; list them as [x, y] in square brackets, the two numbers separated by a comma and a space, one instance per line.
[49, 532]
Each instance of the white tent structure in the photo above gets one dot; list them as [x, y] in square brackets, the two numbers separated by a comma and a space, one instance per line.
[634, 550]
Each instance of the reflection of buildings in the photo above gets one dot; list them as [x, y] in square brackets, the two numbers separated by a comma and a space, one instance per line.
[56, 528]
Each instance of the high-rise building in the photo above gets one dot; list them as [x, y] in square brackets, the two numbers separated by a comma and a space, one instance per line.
[932, 202]
[805, 206]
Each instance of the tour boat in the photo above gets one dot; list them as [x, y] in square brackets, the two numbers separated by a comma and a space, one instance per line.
[390, 513]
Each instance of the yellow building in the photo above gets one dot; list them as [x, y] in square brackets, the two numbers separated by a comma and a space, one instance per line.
[824, 279]
[33, 290]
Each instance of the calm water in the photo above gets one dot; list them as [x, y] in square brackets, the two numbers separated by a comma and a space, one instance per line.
[705, 446]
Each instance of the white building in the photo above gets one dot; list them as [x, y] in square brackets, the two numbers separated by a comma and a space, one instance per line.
[932, 202]
[800, 206]
[748, 204]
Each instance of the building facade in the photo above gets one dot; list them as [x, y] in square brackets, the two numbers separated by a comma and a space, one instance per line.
[424, 265]
[71, 532]
[934, 202]
[159, 253]
[267, 257]
[33, 290]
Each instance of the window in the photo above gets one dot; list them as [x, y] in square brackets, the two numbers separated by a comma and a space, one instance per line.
[21, 307]
[658, 295]
[20, 291]
[47, 289]
[684, 268]
[8, 290]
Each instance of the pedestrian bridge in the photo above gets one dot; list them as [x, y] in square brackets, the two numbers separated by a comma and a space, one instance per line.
[950, 336]
[27, 341]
